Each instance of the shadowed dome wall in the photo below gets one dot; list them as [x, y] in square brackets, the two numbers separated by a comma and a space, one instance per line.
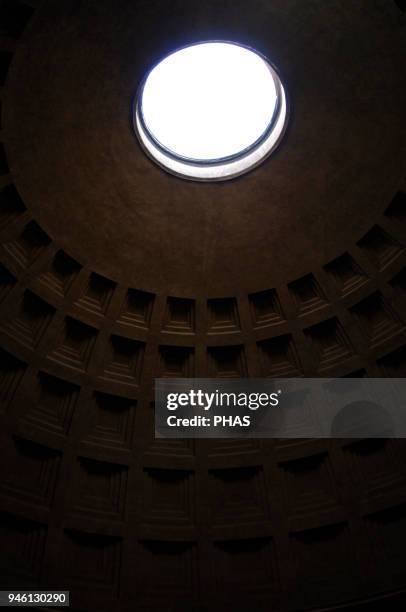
[114, 272]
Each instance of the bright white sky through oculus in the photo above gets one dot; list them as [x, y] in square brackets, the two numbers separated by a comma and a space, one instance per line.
[209, 100]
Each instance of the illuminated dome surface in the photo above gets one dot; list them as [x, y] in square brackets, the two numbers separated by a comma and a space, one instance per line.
[211, 110]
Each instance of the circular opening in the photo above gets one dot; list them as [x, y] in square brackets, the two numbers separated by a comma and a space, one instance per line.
[211, 111]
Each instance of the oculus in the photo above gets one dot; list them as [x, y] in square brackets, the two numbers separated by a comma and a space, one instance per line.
[210, 111]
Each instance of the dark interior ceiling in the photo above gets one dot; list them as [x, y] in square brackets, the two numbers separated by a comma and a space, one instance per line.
[114, 272]
[74, 157]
